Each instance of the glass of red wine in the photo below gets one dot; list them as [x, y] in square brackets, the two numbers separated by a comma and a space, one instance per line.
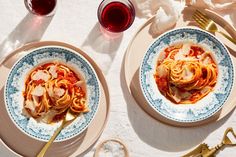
[41, 7]
[116, 15]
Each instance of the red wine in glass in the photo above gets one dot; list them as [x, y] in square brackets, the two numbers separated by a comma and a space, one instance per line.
[41, 7]
[116, 16]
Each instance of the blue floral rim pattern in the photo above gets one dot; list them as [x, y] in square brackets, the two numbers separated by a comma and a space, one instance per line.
[15, 86]
[210, 104]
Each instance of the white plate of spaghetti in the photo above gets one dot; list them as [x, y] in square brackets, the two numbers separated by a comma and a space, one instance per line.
[186, 75]
[44, 84]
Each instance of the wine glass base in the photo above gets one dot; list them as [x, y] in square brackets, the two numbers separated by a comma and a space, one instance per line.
[110, 35]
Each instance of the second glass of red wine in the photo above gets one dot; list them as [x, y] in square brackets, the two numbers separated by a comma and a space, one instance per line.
[116, 15]
[41, 7]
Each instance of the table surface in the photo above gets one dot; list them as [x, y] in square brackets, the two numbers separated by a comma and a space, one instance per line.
[75, 22]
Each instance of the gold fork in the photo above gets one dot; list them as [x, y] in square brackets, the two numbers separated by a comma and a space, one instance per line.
[209, 25]
[68, 119]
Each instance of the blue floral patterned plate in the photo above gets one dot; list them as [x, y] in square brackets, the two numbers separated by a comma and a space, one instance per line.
[15, 85]
[207, 106]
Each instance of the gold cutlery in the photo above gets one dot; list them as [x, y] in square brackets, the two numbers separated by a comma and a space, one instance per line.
[203, 150]
[69, 117]
[209, 25]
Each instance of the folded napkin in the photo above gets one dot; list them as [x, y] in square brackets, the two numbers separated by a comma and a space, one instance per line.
[168, 11]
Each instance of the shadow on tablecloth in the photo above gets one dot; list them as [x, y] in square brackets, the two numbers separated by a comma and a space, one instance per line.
[162, 136]
[102, 46]
[31, 28]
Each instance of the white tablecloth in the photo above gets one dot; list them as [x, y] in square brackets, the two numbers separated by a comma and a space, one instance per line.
[75, 22]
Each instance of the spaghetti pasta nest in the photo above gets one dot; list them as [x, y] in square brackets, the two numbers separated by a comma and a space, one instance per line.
[51, 89]
[185, 73]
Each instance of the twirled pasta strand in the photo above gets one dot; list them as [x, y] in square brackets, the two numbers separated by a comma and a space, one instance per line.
[54, 88]
[187, 79]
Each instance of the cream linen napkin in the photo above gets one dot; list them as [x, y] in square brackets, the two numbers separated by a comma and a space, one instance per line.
[168, 11]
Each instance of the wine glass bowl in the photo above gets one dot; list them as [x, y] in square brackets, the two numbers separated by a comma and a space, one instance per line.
[116, 15]
[41, 7]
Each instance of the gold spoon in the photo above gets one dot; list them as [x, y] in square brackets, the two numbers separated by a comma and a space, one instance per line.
[68, 119]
